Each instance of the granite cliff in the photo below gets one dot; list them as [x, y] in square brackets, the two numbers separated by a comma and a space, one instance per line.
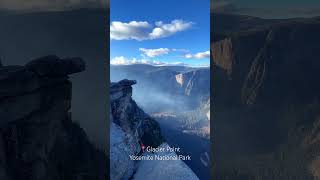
[38, 138]
[130, 117]
[195, 83]
[266, 99]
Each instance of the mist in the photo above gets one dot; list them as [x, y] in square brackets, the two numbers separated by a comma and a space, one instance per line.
[155, 96]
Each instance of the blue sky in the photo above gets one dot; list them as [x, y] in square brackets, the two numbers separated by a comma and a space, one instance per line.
[160, 32]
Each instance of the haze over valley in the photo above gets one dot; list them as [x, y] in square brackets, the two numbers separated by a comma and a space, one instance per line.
[177, 97]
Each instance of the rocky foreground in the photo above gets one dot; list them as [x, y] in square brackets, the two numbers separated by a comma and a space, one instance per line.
[130, 128]
[38, 139]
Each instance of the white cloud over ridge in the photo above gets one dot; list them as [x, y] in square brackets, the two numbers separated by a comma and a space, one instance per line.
[121, 60]
[154, 52]
[142, 30]
[200, 55]
[164, 51]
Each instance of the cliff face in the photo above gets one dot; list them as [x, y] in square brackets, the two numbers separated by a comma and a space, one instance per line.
[267, 99]
[130, 117]
[130, 127]
[38, 139]
[194, 83]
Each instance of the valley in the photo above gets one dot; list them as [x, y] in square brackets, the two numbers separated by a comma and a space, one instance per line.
[178, 99]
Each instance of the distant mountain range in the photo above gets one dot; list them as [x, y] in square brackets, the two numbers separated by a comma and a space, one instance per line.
[225, 25]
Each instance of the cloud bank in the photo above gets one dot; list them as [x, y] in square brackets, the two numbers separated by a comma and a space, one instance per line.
[142, 30]
[163, 51]
[154, 52]
[121, 60]
[200, 55]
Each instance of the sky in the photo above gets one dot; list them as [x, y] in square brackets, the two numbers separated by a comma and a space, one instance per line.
[49, 5]
[275, 9]
[167, 32]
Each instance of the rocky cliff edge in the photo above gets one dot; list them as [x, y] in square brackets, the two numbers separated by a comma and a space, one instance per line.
[38, 139]
[131, 128]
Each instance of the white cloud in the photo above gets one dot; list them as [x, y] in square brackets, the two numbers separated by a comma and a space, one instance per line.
[121, 60]
[165, 30]
[180, 50]
[177, 64]
[200, 55]
[142, 30]
[154, 52]
[132, 30]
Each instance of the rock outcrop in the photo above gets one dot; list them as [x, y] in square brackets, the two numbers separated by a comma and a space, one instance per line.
[131, 128]
[168, 169]
[38, 139]
[122, 145]
[130, 117]
[80, 32]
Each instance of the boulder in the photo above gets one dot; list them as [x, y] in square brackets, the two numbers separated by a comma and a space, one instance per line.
[38, 139]
[127, 82]
[54, 66]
